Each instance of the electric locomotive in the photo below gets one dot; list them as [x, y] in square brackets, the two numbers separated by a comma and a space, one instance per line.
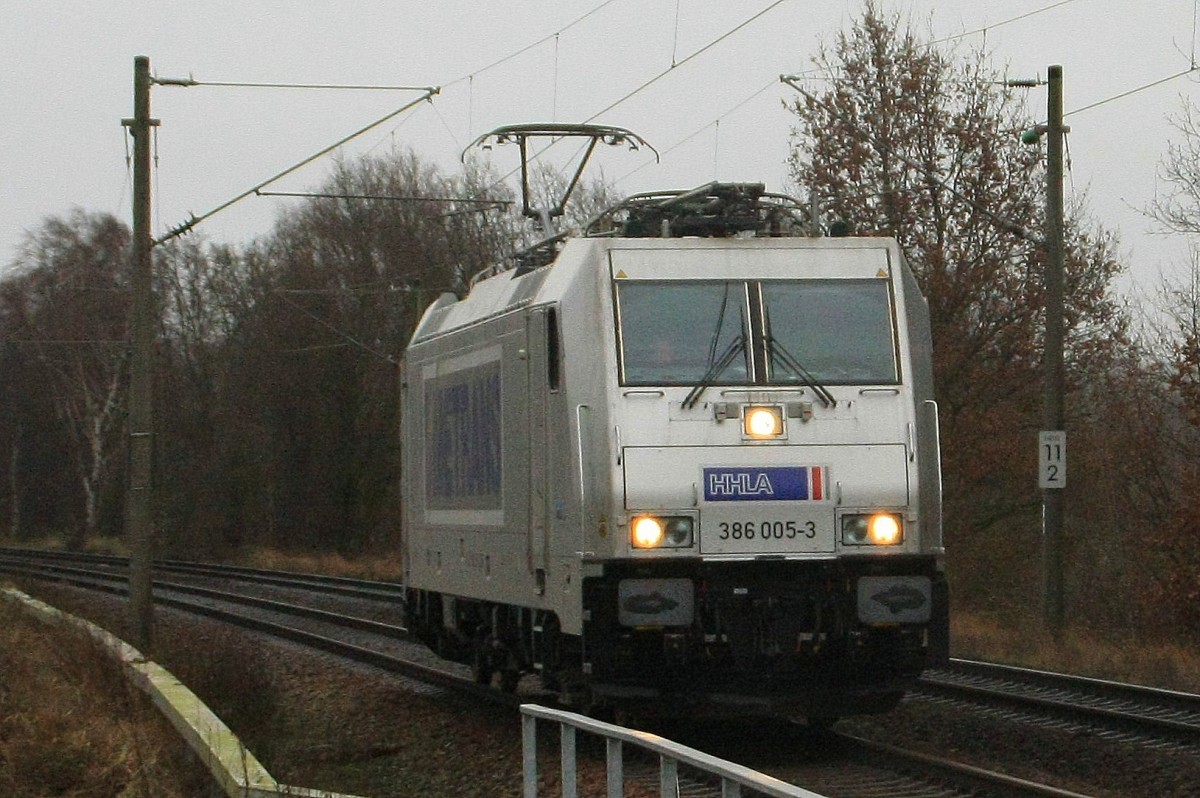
[686, 460]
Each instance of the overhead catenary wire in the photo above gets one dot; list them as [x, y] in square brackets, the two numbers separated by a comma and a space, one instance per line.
[1001, 222]
[471, 75]
[194, 220]
[1193, 67]
[688, 58]
[675, 38]
[427, 93]
[343, 335]
[999, 24]
[390, 197]
[756, 93]
[556, 35]
[770, 84]
[1132, 91]
[469, 78]
[554, 85]
[774, 81]
[189, 82]
[654, 80]
[1039, 82]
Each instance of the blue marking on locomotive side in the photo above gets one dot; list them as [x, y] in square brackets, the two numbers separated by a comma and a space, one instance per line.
[779, 483]
[464, 457]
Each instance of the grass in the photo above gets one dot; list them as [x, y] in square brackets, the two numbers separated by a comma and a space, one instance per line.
[384, 569]
[101, 545]
[72, 726]
[1131, 659]
[231, 677]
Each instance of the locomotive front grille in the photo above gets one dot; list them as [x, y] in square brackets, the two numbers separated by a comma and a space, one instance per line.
[764, 626]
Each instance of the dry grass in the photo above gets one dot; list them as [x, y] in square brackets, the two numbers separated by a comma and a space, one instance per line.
[232, 677]
[114, 546]
[1136, 660]
[72, 726]
[384, 569]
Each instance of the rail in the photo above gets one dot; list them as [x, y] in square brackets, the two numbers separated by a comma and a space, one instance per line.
[671, 755]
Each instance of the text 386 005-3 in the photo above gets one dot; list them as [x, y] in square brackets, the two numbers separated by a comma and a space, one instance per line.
[766, 530]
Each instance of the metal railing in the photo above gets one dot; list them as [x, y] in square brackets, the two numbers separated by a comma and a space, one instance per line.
[671, 755]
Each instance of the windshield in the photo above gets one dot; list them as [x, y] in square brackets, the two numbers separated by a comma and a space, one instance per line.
[672, 333]
[839, 330]
[814, 333]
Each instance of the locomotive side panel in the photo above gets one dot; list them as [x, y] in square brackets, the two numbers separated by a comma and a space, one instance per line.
[504, 413]
[467, 462]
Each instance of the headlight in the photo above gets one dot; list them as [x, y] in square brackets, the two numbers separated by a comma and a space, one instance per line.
[661, 532]
[879, 529]
[763, 422]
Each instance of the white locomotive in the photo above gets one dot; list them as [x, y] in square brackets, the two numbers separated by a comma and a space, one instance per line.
[686, 460]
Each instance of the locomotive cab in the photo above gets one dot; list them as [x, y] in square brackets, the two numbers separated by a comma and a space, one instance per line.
[773, 537]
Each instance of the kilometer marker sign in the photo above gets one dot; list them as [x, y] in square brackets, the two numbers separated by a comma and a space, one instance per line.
[1052, 459]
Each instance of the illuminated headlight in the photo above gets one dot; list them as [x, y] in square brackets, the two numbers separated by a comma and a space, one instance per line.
[879, 529]
[661, 532]
[763, 422]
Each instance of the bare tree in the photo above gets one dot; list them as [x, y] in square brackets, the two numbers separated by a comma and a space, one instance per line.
[1179, 210]
[897, 137]
[67, 309]
[1184, 307]
[305, 360]
[1174, 340]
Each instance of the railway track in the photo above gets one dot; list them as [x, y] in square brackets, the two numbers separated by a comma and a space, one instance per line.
[1131, 713]
[269, 616]
[852, 767]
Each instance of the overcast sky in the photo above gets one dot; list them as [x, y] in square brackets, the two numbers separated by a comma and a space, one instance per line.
[67, 74]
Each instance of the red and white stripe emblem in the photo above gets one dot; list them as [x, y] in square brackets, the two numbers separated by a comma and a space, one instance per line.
[816, 477]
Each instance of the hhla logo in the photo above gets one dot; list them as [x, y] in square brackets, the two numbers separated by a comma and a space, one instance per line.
[764, 483]
[741, 483]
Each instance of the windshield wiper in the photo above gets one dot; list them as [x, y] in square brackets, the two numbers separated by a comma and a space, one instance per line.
[787, 359]
[719, 365]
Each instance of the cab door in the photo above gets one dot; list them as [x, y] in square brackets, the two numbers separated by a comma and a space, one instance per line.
[542, 375]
